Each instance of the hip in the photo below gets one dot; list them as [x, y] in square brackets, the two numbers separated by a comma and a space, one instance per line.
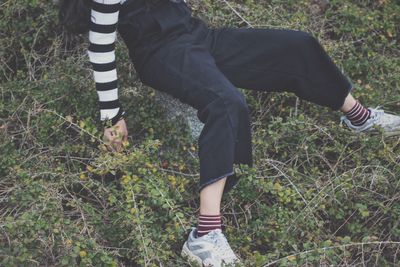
[147, 30]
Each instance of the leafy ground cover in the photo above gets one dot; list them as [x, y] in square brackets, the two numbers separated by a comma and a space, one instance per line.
[317, 195]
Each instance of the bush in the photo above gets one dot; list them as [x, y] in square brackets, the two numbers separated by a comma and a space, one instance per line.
[317, 195]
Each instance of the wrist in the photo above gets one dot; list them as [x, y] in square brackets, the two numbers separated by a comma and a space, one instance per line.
[111, 122]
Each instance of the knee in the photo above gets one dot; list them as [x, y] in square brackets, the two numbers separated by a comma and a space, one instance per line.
[237, 103]
[233, 104]
[304, 39]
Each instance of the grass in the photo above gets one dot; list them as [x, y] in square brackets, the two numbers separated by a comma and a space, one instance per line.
[317, 194]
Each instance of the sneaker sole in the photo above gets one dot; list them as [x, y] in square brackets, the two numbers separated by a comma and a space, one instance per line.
[392, 133]
[187, 254]
[193, 259]
[376, 132]
[385, 133]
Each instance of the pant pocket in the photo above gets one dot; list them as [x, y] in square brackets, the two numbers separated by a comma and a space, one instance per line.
[173, 16]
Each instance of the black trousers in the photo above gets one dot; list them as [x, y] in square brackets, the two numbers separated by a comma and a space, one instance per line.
[178, 53]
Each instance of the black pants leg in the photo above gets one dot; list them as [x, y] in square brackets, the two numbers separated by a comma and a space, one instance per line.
[203, 67]
[185, 69]
[279, 60]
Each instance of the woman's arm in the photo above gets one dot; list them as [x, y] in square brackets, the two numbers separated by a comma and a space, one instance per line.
[101, 51]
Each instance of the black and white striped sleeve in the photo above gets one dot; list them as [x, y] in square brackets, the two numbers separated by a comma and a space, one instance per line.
[101, 51]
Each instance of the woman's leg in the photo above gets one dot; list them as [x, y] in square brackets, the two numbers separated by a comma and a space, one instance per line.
[210, 197]
[210, 208]
[349, 102]
[294, 61]
[279, 60]
[184, 69]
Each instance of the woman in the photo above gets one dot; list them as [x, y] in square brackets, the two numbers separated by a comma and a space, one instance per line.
[174, 52]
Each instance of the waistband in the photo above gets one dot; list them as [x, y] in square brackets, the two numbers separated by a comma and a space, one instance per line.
[148, 4]
[146, 17]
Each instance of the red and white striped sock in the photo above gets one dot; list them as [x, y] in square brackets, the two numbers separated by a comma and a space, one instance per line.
[208, 223]
[358, 114]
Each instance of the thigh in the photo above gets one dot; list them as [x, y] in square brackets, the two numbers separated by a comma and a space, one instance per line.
[187, 71]
[258, 58]
[279, 60]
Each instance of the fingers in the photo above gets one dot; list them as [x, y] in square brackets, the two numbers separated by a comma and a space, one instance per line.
[113, 131]
[115, 137]
[114, 146]
[116, 142]
[117, 147]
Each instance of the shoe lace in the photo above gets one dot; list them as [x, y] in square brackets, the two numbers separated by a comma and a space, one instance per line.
[376, 113]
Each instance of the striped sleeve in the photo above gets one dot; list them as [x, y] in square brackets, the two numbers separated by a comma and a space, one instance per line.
[101, 52]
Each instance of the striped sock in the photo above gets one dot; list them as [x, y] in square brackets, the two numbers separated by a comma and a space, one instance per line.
[358, 114]
[208, 223]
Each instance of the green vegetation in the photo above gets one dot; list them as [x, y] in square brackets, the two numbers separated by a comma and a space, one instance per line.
[317, 195]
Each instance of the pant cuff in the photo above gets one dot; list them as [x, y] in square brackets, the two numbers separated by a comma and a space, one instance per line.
[351, 87]
[214, 180]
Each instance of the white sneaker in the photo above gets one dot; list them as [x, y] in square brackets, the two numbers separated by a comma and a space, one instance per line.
[211, 249]
[389, 123]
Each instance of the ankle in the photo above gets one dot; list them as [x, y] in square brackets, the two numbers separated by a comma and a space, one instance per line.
[358, 114]
[207, 223]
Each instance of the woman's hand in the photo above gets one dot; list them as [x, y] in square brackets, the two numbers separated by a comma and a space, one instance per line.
[116, 135]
